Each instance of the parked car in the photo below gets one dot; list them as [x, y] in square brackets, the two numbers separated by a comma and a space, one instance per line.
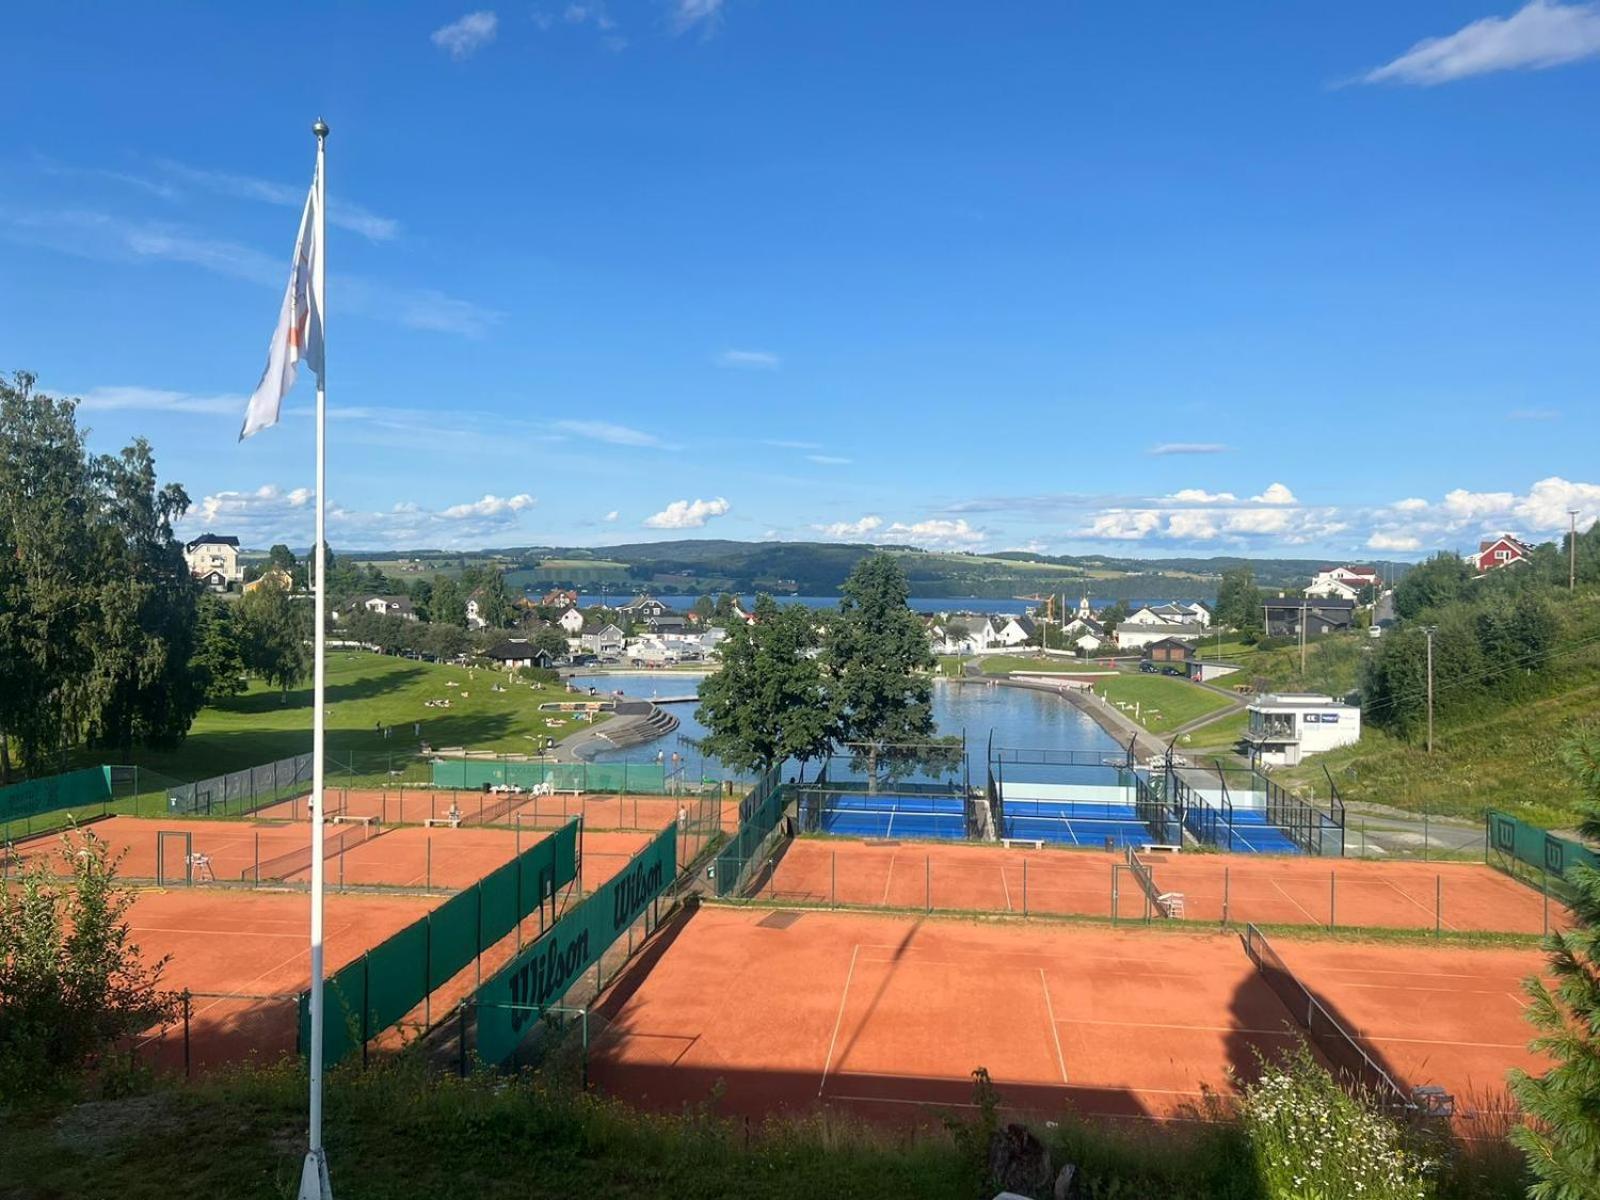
[1171, 671]
[1146, 666]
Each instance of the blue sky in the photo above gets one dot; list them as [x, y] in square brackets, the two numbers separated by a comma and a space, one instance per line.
[1259, 277]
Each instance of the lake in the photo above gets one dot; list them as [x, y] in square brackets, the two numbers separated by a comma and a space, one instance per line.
[1017, 718]
[923, 604]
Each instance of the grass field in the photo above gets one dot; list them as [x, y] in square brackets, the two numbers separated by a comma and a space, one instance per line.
[366, 692]
[1507, 760]
[1219, 737]
[1164, 703]
[1005, 664]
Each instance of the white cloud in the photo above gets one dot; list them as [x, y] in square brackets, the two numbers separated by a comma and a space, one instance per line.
[142, 399]
[1468, 506]
[829, 460]
[610, 516]
[269, 499]
[465, 37]
[605, 431]
[750, 360]
[108, 238]
[850, 530]
[1275, 494]
[343, 213]
[1125, 524]
[687, 514]
[1166, 448]
[687, 14]
[1410, 504]
[489, 506]
[935, 534]
[1401, 542]
[1200, 496]
[1540, 34]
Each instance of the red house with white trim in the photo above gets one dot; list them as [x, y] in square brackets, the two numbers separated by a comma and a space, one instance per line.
[1501, 551]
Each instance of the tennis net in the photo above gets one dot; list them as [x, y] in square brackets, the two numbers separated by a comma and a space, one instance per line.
[1346, 1054]
[1147, 881]
[488, 814]
[285, 866]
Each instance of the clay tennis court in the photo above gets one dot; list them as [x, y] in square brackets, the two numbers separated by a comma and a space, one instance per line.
[958, 878]
[1344, 892]
[1238, 887]
[1430, 1015]
[253, 946]
[885, 1014]
[414, 806]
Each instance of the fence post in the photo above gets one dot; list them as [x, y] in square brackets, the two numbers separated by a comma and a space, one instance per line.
[1024, 887]
[341, 869]
[1438, 903]
[1333, 886]
[428, 859]
[1544, 886]
[1114, 881]
[1226, 893]
[833, 878]
[188, 1006]
[927, 883]
[1424, 835]
[461, 1040]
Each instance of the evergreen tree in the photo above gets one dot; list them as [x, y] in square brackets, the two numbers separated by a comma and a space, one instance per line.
[494, 601]
[282, 557]
[1562, 1134]
[876, 661]
[551, 640]
[1441, 580]
[767, 703]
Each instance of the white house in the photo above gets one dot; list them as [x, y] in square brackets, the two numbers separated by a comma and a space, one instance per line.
[963, 633]
[1085, 634]
[392, 606]
[1012, 631]
[1288, 726]
[518, 652]
[1169, 614]
[214, 560]
[475, 611]
[571, 621]
[1132, 635]
[1344, 583]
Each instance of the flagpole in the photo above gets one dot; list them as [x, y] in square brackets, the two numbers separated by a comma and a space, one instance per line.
[314, 1183]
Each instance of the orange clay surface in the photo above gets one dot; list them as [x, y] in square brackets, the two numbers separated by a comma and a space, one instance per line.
[416, 805]
[1276, 890]
[1429, 1015]
[883, 1014]
[248, 947]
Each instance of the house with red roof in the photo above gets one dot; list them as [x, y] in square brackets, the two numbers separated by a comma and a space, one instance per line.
[1500, 551]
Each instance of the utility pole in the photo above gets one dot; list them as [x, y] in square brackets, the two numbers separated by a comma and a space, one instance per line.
[1302, 639]
[1429, 630]
[1572, 550]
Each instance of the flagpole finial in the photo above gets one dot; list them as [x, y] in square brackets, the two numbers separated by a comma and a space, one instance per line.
[320, 128]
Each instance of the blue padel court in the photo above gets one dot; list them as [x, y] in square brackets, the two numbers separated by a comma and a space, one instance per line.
[1254, 834]
[1073, 823]
[892, 815]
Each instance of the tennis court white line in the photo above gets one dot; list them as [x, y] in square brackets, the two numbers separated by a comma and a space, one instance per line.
[889, 878]
[1401, 892]
[1007, 887]
[839, 1020]
[1055, 1034]
[1315, 920]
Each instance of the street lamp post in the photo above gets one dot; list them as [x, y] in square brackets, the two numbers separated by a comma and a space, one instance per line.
[1430, 630]
[1572, 550]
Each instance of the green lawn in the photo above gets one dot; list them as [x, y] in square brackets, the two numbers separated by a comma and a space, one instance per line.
[1005, 664]
[1164, 702]
[366, 692]
[1219, 737]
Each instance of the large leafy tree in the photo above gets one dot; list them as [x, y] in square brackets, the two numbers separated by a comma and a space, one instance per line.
[217, 662]
[447, 606]
[494, 601]
[877, 662]
[273, 632]
[1441, 580]
[97, 609]
[1239, 601]
[767, 703]
[1562, 1135]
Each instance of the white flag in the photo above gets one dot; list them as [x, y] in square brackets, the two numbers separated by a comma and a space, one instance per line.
[298, 337]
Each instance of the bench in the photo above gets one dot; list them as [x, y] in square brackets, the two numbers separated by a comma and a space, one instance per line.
[1164, 847]
[1010, 843]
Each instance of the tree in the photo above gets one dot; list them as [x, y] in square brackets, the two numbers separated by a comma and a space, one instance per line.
[768, 702]
[282, 557]
[139, 688]
[71, 982]
[273, 632]
[1114, 615]
[876, 661]
[1239, 601]
[703, 607]
[447, 606]
[217, 663]
[1562, 1134]
[551, 640]
[494, 601]
[1441, 580]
